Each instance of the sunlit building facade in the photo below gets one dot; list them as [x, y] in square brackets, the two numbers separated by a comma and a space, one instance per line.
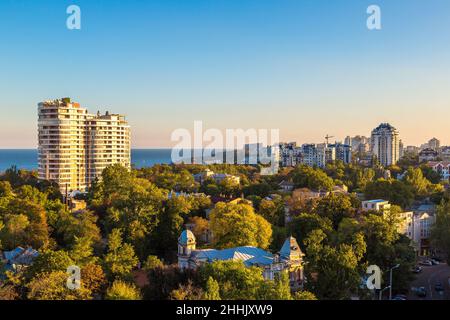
[385, 144]
[75, 146]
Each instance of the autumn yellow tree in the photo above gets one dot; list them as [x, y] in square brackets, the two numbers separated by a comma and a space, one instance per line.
[238, 225]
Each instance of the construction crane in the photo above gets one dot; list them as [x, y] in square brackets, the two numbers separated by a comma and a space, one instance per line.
[328, 137]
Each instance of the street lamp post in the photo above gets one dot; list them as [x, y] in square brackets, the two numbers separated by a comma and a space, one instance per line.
[390, 280]
[381, 292]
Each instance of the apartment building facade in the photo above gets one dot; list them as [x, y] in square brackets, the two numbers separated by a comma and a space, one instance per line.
[385, 144]
[441, 167]
[314, 154]
[75, 146]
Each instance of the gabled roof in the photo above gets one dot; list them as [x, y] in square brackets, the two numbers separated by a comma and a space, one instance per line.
[10, 255]
[26, 258]
[290, 249]
[376, 201]
[286, 183]
[249, 255]
[21, 256]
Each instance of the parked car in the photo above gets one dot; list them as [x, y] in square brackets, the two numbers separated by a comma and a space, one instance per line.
[421, 292]
[437, 259]
[426, 263]
[434, 262]
[438, 286]
[417, 269]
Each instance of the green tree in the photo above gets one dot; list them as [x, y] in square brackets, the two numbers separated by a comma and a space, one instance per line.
[120, 258]
[278, 289]
[82, 225]
[414, 178]
[304, 295]
[82, 252]
[93, 279]
[335, 268]
[14, 230]
[235, 280]
[335, 207]
[387, 248]
[272, 210]
[182, 181]
[152, 262]
[229, 187]
[200, 227]
[8, 292]
[238, 225]
[121, 290]
[50, 261]
[440, 232]
[171, 225]
[395, 191]
[53, 286]
[187, 291]
[212, 290]
[30, 231]
[307, 177]
[137, 213]
[303, 224]
[430, 174]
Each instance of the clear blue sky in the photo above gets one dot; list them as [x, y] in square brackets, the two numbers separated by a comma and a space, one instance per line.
[307, 67]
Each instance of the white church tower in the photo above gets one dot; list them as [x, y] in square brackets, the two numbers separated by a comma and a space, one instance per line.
[186, 244]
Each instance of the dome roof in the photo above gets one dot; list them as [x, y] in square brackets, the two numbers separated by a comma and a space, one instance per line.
[186, 237]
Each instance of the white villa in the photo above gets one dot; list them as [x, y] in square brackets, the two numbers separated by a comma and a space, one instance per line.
[441, 167]
[289, 258]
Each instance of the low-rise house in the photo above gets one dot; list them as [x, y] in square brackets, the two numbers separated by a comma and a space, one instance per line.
[19, 258]
[340, 189]
[375, 205]
[241, 200]
[307, 194]
[217, 177]
[441, 167]
[286, 186]
[77, 205]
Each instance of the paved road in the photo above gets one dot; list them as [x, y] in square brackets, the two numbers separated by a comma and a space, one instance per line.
[428, 278]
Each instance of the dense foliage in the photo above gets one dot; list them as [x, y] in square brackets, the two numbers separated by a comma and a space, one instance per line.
[130, 228]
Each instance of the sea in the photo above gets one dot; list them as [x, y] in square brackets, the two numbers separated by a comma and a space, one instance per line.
[27, 158]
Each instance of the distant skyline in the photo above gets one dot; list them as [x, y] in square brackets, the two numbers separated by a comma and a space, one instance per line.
[306, 67]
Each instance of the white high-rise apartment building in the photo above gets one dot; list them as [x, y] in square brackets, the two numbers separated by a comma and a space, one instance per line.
[75, 146]
[385, 144]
